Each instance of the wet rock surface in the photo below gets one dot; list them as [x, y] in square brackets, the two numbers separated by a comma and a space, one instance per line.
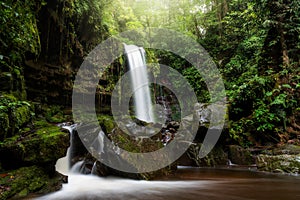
[279, 163]
[240, 156]
[282, 159]
[217, 157]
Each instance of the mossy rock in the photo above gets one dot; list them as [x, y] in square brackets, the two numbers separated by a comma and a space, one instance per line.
[240, 156]
[14, 115]
[19, 183]
[21, 115]
[130, 144]
[53, 113]
[287, 149]
[217, 156]
[4, 125]
[6, 99]
[279, 163]
[45, 145]
[107, 123]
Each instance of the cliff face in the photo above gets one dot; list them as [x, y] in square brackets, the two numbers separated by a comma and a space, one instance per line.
[47, 83]
[49, 77]
[39, 55]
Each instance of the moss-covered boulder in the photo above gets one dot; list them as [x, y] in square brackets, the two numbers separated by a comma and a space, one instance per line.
[19, 183]
[20, 115]
[286, 149]
[44, 145]
[14, 115]
[240, 156]
[216, 157]
[114, 155]
[140, 145]
[279, 163]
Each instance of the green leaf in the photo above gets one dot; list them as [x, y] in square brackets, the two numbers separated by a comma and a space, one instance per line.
[286, 86]
[268, 94]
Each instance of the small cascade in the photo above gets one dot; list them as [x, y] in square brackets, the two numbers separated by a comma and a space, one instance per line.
[139, 82]
[63, 165]
[75, 169]
[99, 143]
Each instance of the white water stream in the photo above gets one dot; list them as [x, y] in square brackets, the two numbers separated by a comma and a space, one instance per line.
[139, 82]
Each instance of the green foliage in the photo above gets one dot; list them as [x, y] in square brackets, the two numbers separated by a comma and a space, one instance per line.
[14, 115]
[54, 114]
[255, 45]
[19, 17]
[89, 16]
[196, 81]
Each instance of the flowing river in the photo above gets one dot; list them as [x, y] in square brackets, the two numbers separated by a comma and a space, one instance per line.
[187, 183]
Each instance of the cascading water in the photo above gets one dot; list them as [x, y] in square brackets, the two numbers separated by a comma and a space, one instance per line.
[139, 82]
[63, 165]
[66, 165]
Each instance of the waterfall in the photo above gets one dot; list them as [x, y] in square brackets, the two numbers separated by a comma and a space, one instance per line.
[139, 83]
[67, 165]
[63, 165]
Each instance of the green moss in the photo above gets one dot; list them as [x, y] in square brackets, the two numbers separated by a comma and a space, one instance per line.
[40, 123]
[23, 193]
[140, 145]
[9, 141]
[4, 125]
[47, 144]
[54, 114]
[6, 99]
[14, 114]
[106, 122]
[51, 142]
[19, 183]
[22, 115]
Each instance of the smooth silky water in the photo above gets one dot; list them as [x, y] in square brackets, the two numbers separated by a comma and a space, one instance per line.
[139, 82]
[186, 183]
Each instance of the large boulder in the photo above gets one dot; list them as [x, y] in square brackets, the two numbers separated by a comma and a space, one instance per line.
[279, 163]
[240, 156]
[217, 157]
[114, 155]
[19, 183]
[42, 146]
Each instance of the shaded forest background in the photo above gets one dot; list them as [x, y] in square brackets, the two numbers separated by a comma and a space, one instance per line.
[255, 44]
